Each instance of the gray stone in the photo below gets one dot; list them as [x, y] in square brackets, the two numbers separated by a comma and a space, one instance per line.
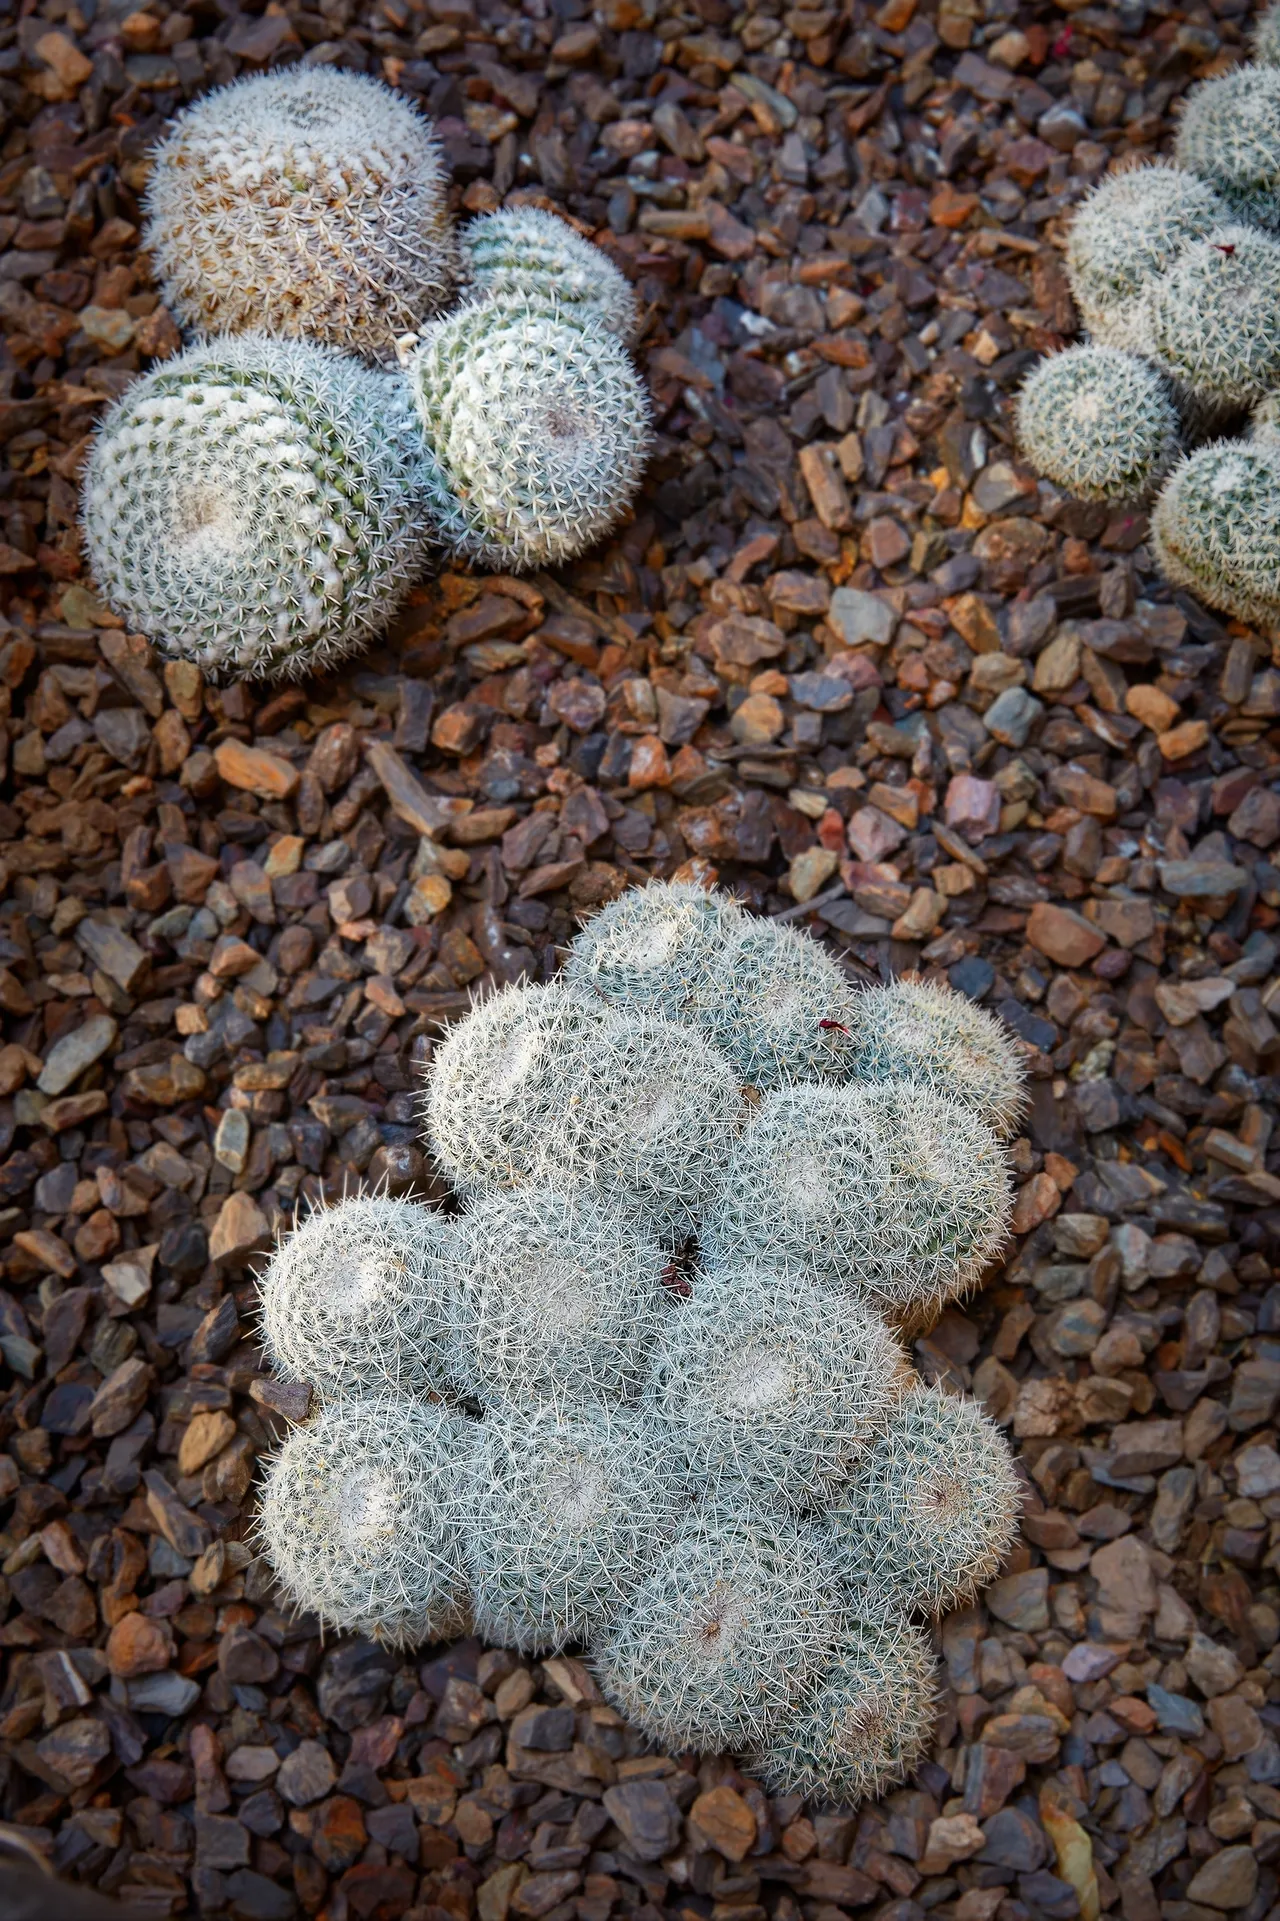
[1012, 715]
[859, 617]
[1175, 1713]
[74, 1051]
[1022, 1600]
[1202, 879]
[1257, 1472]
[1227, 1880]
[647, 1815]
[168, 1693]
[306, 1775]
[110, 948]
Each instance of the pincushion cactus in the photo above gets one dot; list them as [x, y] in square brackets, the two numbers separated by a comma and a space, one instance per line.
[1266, 37]
[523, 254]
[556, 1297]
[1230, 136]
[920, 1031]
[360, 1518]
[655, 947]
[766, 1379]
[260, 506]
[359, 1294]
[1131, 227]
[737, 1614]
[310, 201]
[540, 425]
[563, 1506]
[930, 1513]
[1215, 315]
[864, 1724]
[1098, 422]
[1216, 527]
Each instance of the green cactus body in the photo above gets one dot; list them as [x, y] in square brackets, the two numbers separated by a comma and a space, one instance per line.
[864, 1725]
[306, 202]
[766, 1379]
[916, 1030]
[1215, 315]
[557, 1297]
[563, 1506]
[1216, 527]
[1129, 230]
[525, 255]
[931, 1512]
[721, 1636]
[260, 506]
[359, 1296]
[1099, 423]
[360, 1518]
[1229, 135]
[540, 425]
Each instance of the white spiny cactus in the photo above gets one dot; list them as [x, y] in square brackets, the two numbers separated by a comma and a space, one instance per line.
[1100, 423]
[360, 1518]
[766, 1378]
[523, 254]
[558, 1296]
[360, 1294]
[563, 1506]
[540, 425]
[1216, 526]
[1132, 226]
[1215, 314]
[654, 948]
[1229, 135]
[1266, 37]
[918, 1030]
[309, 201]
[260, 506]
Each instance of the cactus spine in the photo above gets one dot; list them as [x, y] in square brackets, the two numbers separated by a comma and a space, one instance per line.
[917, 1030]
[1129, 230]
[526, 256]
[1098, 422]
[1216, 526]
[1230, 136]
[1215, 315]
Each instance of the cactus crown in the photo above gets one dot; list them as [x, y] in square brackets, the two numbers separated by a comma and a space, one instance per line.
[307, 201]
[1230, 136]
[1216, 527]
[917, 1030]
[259, 506]
[1215, 315]
[540, 425]
[1127, 232]
[1099, 422]
[654, 948]
[528, 256]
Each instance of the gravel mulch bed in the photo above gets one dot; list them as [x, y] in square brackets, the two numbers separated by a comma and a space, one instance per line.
[852, 658]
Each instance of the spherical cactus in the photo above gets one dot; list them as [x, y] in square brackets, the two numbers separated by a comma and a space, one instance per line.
[930, 1513]
[558, 1297]
[767, 1379]
[1229, 135]
[889, 1188]
[654, 948]
[564, 1507]
[309, 201]
[1266, 37]
[717, 1642]
[359, 1296]
[917, 1030]
[1099, 423]
[1216, 527]
[260, 506]
[540, 426]
[864, 1725]
[1215, 315]
[360, 1519]
[1131, 227]
[525, 255]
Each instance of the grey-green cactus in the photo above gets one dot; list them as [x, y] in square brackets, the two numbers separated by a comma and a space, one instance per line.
[360, 1518]
[929, 1515]
[540, 425]
[359, 1295]
[654, 948]
[1215, 315]
[1216, 527]
[564, 1506]
[1099, 423]
[523, 254]
[920, 1031]
[765, 1378]
[1129, 230]
[1230, 136]
[864, 1725]
[721, 1636]
[260, 506]
[558, 1297]
[1266, 37]
[309, 201]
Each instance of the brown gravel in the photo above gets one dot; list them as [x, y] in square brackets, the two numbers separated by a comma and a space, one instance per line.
[850, 657]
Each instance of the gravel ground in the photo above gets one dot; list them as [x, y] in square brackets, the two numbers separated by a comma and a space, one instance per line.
[852, 659]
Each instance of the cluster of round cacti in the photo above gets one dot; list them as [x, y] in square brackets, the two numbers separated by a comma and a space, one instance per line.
[1176, 274]
[641, 1388]
[261, 504]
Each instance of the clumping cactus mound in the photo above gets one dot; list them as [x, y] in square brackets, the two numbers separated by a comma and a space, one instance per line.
[308, 201]
[1098, 422]
[1230, 136]
[1216, 527]
[652, 1397]
[1266, 37]
[360, 1518]
[931, 1511]
[260, 506]
[1215, 315]
[525, 255]
[1132, 226]
[540, 425]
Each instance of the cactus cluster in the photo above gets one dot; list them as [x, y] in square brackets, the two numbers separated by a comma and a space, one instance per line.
[262, 504]
[1175, 271]
[639, 1388]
